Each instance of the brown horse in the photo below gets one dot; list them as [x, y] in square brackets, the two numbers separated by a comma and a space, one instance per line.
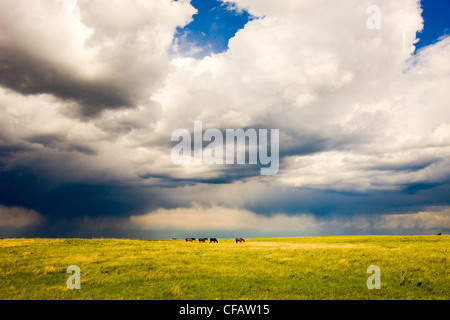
[239, 240]
[202, 239]
[190, 239]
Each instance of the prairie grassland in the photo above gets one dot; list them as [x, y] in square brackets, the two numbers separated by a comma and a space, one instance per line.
[412, 267]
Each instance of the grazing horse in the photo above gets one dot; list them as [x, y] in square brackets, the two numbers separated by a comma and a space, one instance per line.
[239, 240]
[213, 240]
[439, 234]
[202, 239]
[190, 239]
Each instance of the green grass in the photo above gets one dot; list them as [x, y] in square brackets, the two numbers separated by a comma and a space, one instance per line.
[412, 267]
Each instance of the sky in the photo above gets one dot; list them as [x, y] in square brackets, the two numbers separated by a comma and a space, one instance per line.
[91, 92]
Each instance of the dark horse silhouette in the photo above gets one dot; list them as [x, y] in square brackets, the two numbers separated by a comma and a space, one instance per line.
[202, 239]
[213, 240]
[190, 239]
[239, 240]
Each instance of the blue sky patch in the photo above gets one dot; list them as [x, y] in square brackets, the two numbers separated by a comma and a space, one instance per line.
[214, 24]
[436, 15]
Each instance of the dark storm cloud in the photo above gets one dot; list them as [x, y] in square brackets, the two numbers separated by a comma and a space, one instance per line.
[9, 150]
[226, 174]
[26, 75]
[99, 54]
[58, 143]
[24, 188]
[411, 166]
[324, 203]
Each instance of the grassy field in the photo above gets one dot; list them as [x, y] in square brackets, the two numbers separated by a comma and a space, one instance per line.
[412, 267]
